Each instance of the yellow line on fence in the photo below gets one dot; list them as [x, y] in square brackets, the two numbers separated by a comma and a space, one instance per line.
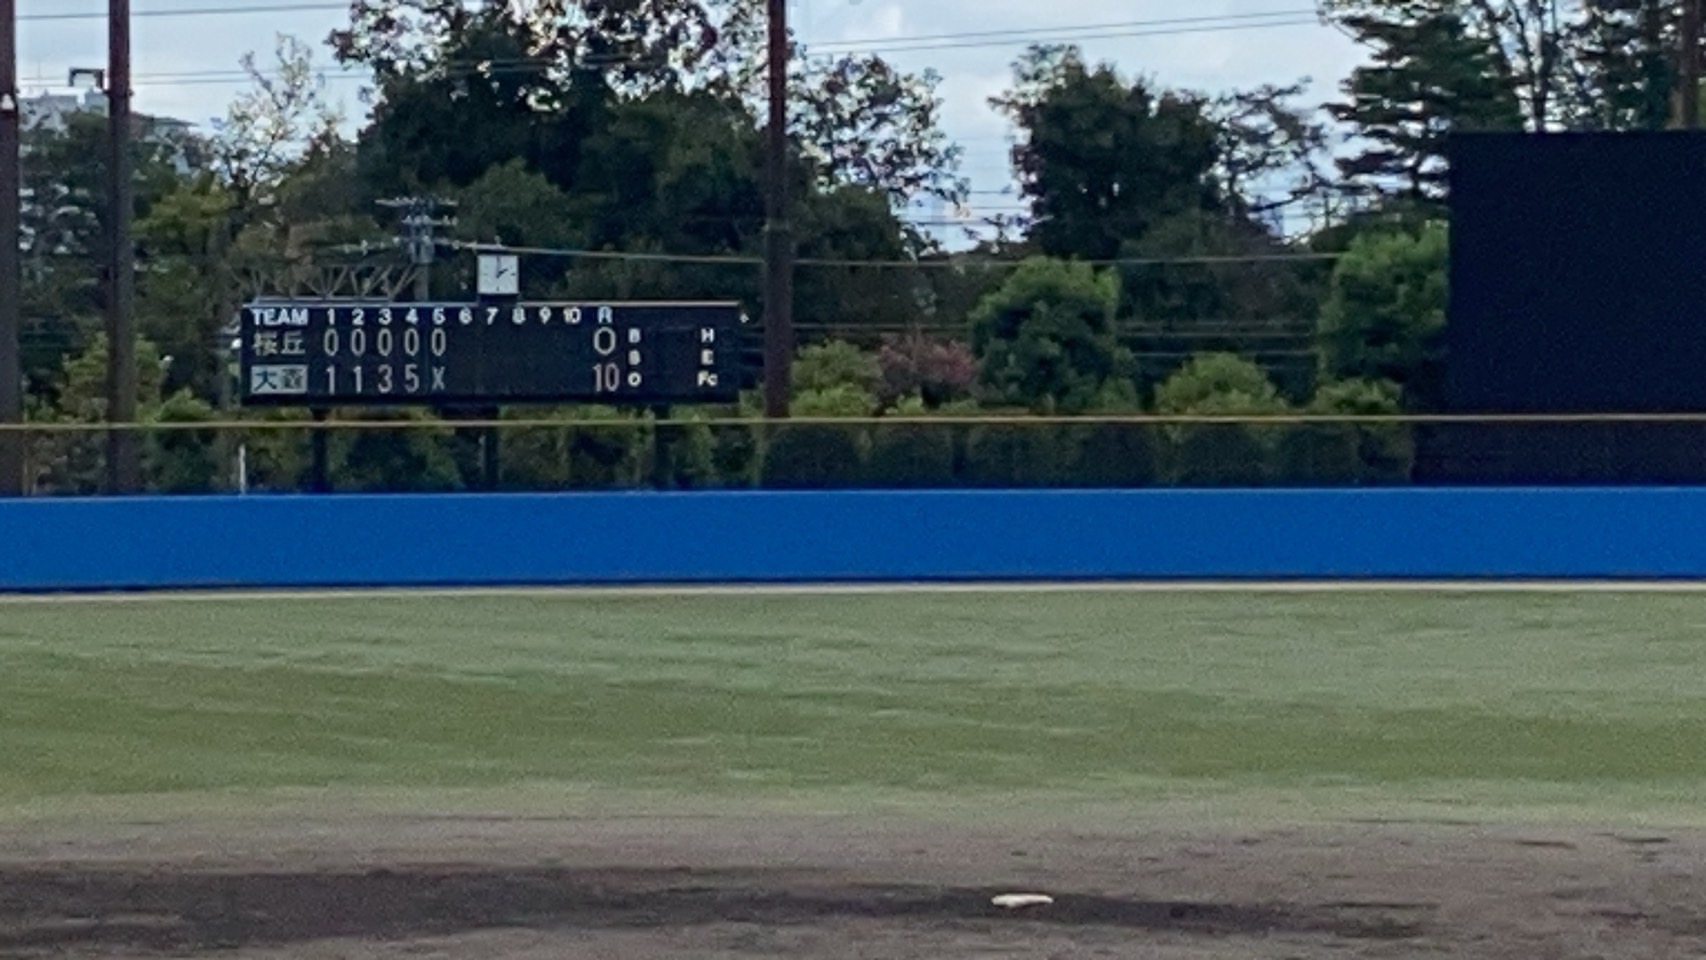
[889, 421]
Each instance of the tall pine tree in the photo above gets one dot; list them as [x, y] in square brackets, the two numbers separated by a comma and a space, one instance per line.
[1625, 67]
[1428, 75]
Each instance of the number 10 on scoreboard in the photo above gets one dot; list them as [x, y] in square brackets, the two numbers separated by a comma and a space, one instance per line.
[607, 373]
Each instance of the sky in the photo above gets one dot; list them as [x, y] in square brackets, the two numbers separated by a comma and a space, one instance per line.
[186, 62]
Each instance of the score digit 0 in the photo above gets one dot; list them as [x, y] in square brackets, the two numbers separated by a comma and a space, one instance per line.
[604, 341]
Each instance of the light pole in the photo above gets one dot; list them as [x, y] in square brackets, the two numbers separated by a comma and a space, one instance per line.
[11, 270]
[124, 468]
[778, 232]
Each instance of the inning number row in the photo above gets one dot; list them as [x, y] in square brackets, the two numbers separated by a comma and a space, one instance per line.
[469, 316]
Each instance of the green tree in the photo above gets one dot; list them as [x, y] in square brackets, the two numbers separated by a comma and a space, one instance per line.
[907, 454]
[513, 204]
[1350, 453]
[1020, 455]
[856, 223]
[1218, 383]
[814, 456]
[1430, 72]
[1216, 283]
[291, 176]
[1220, 454]
[1523, 48]
[185, 293]
[1046, 339]
[840, 400]
[856, 119]
[1270, 152]
[586, 456]
[1384, 318]
[174, 459]
[641, 45]
[837, 363]
[1102, 160]
[865, 123]
[65, 216]
[404, 460]
[183, 460]
[74, 462]
[1625, 64]
[267, 128]
[1114, 454]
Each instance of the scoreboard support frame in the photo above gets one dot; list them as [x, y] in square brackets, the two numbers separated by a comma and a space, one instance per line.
[320, 472]
[663, 465]
[491, 451]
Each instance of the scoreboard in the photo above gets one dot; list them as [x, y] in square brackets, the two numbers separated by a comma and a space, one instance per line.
[347, 353]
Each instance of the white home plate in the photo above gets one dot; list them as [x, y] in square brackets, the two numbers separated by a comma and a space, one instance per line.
[1011, 900]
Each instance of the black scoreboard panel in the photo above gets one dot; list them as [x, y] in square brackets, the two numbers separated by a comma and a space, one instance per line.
[1573, 268]
[442, 354]
[1573, 260]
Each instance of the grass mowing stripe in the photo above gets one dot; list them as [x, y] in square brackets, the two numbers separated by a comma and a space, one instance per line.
[1103, 695]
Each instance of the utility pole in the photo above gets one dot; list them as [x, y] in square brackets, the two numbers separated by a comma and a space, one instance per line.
[11, 273]
[124, 469]
[418, 221]
[778, 232]
[1689, 101]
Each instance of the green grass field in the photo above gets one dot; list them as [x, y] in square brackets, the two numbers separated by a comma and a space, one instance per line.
[1544, 706]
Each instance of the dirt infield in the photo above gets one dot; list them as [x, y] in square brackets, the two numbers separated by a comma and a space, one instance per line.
[833, 888]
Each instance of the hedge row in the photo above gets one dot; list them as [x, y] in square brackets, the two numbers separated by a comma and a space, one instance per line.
[1100, 455]
[770, 456]
[937, 455]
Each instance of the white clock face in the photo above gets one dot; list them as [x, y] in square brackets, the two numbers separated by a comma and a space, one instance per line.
[500, 275]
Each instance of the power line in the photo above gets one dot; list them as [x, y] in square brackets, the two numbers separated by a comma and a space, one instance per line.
[950, 263]
[946, 261]
[1162, 27]
[1033, 33]
[305, 7]
[1134, 28]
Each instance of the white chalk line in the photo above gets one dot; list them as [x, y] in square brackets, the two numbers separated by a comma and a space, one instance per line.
[861, 589]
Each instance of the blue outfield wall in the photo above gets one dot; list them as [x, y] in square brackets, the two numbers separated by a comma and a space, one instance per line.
[302, 541]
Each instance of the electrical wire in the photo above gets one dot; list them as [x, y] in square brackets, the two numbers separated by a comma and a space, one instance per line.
[941, 262]
[1159, 27]
[1032, 33]
[948, 263]
[318, 6]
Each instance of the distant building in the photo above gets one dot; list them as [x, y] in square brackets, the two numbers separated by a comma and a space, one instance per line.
[49, 111]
